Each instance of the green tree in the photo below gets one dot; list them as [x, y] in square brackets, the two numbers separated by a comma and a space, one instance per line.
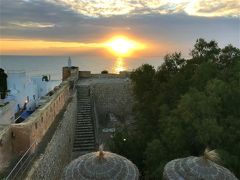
[183, 107]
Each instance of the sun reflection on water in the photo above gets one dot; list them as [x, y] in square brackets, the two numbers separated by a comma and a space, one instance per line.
[119, 65]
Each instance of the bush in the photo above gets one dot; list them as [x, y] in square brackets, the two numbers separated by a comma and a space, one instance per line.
[104, 72]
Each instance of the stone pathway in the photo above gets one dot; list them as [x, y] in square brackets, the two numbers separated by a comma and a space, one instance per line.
[84, 138]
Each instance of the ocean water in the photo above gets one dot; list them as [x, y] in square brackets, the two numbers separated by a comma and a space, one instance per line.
[52, 65]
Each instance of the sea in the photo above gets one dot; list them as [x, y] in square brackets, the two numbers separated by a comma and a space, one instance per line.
[52, 65]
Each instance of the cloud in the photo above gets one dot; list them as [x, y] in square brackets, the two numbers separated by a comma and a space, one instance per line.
[103, 8]
[33, 24]
[211, 8]
[160, 22]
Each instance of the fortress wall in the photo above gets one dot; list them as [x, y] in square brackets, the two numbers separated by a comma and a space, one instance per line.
[30, 132]
[88, 74]
[113, 96]
[84, 74]
[58, 152]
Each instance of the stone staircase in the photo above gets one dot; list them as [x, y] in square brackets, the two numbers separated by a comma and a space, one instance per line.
[84, 138]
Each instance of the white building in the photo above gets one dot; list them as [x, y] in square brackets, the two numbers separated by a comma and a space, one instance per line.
[7, 112]
[25, 89]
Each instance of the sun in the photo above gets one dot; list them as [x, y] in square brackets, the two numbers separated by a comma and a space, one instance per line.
[122, 46]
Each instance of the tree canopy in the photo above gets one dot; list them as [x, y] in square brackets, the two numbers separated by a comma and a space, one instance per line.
[183, 107]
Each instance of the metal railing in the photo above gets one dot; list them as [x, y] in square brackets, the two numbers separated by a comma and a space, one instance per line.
[5, 130]
[19, 169]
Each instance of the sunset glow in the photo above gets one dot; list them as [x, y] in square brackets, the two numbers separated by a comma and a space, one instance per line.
[122, 46]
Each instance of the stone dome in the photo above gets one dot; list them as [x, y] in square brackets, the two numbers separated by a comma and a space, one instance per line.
[101, 166]
[196, 168]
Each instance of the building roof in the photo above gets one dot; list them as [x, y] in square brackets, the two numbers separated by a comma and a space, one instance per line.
[101, 166]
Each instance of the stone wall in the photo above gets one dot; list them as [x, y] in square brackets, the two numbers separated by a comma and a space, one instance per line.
[35, 126]
[70, 72]
[88, 74]
[30, 132]
[114, 96]
[58, 152]
[84, 74]
[5, 147]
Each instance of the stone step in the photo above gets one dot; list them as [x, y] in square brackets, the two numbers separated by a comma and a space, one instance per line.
[84, 135]
[83, 145]
[82, 110]
[84, 141]
[84, 119]
[79, 127]
[84, 124]
[80, 149]
[84, 113]
[80, 118]
[87, 116]
[83, 131]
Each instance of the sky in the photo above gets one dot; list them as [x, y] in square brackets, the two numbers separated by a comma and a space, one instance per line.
[69, 27]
